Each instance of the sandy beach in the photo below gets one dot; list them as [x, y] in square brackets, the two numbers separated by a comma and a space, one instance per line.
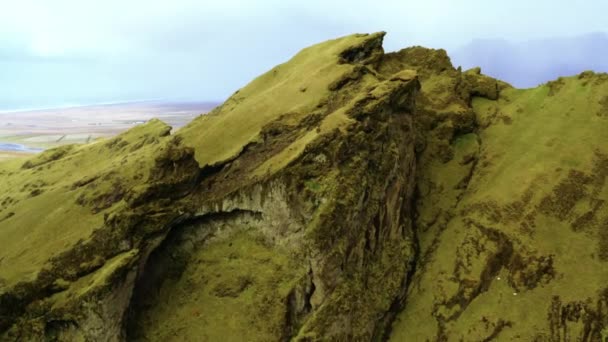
[23, 133]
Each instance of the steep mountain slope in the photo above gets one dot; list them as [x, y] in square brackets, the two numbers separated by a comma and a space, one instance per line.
[308, 199]
[512, 216]
[346, 194]
[261, 222]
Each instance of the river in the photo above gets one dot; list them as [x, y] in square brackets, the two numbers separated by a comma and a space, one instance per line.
[12, 147]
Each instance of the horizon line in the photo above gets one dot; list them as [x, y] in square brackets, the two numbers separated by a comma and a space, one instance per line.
[104, 103]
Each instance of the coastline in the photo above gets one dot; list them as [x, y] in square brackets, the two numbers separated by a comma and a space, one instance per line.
[26, 132]
[103, 103]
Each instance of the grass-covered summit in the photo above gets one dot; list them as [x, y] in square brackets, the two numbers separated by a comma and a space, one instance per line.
[347, 194]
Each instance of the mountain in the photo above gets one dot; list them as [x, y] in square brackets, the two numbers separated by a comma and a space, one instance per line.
[346, 195]
[530, 63]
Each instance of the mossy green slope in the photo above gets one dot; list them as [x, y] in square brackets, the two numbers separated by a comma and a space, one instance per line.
[234, 289]
[292, 90]
[296, 204]
[345, 195]
[46, 207]
[68, 210]
[342, 166]
[512, 218]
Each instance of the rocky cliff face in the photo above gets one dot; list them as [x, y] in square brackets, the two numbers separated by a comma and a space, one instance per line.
[346, 194]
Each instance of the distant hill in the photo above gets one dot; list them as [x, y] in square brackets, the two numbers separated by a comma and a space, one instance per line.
[530, 63]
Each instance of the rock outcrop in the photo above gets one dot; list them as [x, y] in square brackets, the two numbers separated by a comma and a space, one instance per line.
[347, 194]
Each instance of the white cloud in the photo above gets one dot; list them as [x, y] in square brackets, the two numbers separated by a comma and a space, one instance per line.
[116, 27]
[112, 27]
[210, 48]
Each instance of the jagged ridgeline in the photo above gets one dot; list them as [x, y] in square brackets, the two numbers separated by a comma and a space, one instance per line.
[345, 195]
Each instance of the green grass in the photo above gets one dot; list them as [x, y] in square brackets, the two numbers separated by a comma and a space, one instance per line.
[293, 89]
[68, 211]
[534, 143]
[512, 205]
[235, 287]
[61, 198]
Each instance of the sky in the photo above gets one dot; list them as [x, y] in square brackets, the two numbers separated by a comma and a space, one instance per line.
[527, 63]
[63, 52]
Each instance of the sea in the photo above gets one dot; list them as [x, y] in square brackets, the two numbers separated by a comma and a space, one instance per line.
[186, 107]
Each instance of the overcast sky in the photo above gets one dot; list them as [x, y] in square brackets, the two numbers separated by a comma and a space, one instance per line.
[72, 51]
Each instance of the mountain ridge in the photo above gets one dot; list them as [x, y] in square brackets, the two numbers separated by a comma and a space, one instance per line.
[347, 194]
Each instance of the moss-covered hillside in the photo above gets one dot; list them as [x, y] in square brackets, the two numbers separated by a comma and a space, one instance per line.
[345, 195]
[512, 211]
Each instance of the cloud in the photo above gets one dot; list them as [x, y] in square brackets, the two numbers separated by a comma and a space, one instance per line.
[208, 49]
[113, 28]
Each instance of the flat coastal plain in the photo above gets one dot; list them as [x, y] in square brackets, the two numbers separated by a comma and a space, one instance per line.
[25, 132]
